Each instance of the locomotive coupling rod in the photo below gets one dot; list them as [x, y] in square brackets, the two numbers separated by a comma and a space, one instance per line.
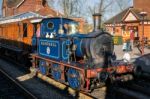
[63, 86]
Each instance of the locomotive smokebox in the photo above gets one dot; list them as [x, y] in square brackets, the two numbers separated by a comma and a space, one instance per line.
[97, 21]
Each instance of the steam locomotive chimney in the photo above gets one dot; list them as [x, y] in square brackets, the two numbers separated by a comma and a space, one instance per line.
[97, 21]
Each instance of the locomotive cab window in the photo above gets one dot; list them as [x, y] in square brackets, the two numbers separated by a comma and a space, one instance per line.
[72, 28]
[25, 30]
[50, 25]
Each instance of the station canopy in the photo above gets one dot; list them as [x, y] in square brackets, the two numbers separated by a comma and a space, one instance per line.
[20, 17]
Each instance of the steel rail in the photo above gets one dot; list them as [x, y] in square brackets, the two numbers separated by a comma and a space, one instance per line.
[23, 89]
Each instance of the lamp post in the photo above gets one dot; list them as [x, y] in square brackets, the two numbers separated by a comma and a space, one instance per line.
[143, 14]
[114, 28]
[123, 28]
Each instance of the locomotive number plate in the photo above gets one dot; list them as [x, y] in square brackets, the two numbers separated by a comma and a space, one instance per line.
[49, 48]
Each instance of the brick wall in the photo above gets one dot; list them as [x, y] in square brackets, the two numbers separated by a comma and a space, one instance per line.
[27, 5]
[146, 31]
[142, 5]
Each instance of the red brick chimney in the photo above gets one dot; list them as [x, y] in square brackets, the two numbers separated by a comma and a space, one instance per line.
[143, 5]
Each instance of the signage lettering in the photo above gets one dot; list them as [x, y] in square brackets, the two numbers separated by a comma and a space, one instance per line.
[53, 44]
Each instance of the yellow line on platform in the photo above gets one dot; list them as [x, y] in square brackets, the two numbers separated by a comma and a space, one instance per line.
[63, 87]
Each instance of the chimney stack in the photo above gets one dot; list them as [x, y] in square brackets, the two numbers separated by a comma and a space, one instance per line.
[97, 21]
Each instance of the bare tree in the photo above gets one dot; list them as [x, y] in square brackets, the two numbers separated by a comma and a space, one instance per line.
[51, 2]
[100, 7]
[67, 6]
[123, 4]
[85, 8]
[71, 7]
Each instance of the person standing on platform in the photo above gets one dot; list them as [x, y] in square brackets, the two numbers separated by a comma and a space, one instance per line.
[38, 32]
[37, 36]
[126, 41]
[126, 46]
[131, 39]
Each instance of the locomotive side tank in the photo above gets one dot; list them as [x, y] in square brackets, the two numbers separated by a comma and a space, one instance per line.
[53, 40]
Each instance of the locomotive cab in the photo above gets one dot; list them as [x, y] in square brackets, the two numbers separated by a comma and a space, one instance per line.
[57, 27]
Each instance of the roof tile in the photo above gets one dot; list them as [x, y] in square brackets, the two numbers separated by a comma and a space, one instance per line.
[118, 18]
[13, 3]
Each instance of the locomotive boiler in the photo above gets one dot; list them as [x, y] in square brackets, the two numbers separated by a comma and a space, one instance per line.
[81, 60]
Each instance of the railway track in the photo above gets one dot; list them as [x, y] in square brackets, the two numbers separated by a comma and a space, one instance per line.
[10, 89]
[141, 86]
[56, 84]
[136, 89]
[80, 95]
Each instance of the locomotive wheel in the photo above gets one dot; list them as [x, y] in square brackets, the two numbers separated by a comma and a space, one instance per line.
[56, 71]
[103, 76]
[42, 67]
[138, 71]
[74, 79]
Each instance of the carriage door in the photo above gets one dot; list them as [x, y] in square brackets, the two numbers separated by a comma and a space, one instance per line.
[25, 36]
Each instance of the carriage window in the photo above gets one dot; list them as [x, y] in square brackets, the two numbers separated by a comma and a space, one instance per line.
[50, 25]
[25, 29]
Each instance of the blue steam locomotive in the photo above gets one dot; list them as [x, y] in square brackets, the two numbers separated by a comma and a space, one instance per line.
[81, 60]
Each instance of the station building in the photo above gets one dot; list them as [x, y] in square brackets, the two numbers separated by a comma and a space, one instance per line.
[131, 19]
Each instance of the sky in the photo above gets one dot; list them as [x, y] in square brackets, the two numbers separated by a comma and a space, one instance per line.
[111, 11]
[1, 6]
